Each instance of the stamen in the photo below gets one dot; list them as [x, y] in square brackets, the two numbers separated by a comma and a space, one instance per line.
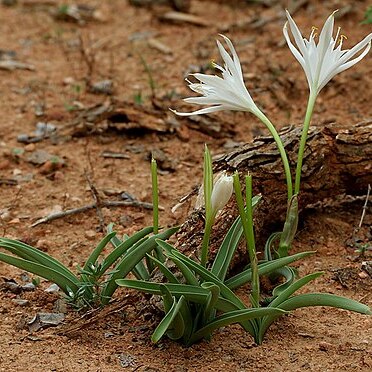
[342, 37]
[313, 33]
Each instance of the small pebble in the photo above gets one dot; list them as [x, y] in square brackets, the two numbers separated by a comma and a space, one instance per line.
[43, 245]
[29, 287]
[52, 288]
[325, 346]
[20, 302]
[90, 234]
[30, 147]
[59, 176]
[363, 275]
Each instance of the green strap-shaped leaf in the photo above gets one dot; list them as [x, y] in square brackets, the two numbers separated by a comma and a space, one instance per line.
[263, 269]
[324, 299]
[130, 261]
[267, 251]
[32, 254]
[283, 296]
[228, 247]
[207, 182]
[205, 274]
[209, 308]
[48, 273]
[176, 329]
[192, 293]
[232, 317]
[189, 276]
[312, 299]
[123, 247]
[168, 321]
[95, 254]
[289, 274]
[210, 277]
[164, 270]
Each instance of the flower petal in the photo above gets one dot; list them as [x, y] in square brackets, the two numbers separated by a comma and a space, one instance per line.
[296, 34]
[325, 37]
[297, 55]
[350, 53]
[206, 110]
[234, 54]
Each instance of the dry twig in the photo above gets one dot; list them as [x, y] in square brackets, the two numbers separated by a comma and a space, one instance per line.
[84, 208]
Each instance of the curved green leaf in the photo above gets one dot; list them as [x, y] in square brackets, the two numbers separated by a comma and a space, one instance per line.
[228, 247]
[283, 296]
[172, 323]
[32, 254]
[123, 247]
[209, 308]
[289, 274]
[192, 293]
[95, 254]
[232, 317]
[48, 273]
[130, 261]
[164, 270]
[189, 276]
[210, 277]
[324, 299]
[263, 269]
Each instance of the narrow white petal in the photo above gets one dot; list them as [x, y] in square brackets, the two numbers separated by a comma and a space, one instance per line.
[325, 37]
[296, 34]
[297, 55]
[345, 66]
[350, 53]
[206, 110]
[230, 65]
[235, 55]
[211, 80]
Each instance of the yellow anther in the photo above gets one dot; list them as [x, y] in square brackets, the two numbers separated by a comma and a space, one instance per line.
[313, 28]
[343, 37]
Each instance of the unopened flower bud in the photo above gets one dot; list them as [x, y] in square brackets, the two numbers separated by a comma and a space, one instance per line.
[222, 191]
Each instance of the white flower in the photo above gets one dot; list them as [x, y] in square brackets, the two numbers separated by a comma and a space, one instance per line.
[224, 93]
[323, 61]
[222, 191]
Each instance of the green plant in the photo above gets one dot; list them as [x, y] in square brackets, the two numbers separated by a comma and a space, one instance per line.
[198, 299]
[95, 282]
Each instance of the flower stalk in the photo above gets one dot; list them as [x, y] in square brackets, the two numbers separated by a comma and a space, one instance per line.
[155, 195]
[246, 216]
[287, 170]
[215, 198]
[301, 149]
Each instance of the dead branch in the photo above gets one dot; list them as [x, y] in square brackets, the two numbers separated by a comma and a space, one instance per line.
[84, 208]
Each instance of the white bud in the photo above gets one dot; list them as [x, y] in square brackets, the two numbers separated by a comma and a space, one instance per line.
[222, 191]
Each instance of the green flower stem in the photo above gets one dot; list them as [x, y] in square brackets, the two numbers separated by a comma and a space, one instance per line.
[305, 130]
[209, 217]
[205, 243]
[251, 243]
[155, 211]
[281, 149]
[247, 223]
[155, 195]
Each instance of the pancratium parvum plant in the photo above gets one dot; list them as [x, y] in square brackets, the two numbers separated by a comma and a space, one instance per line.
[321, 62]
[198, 299]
